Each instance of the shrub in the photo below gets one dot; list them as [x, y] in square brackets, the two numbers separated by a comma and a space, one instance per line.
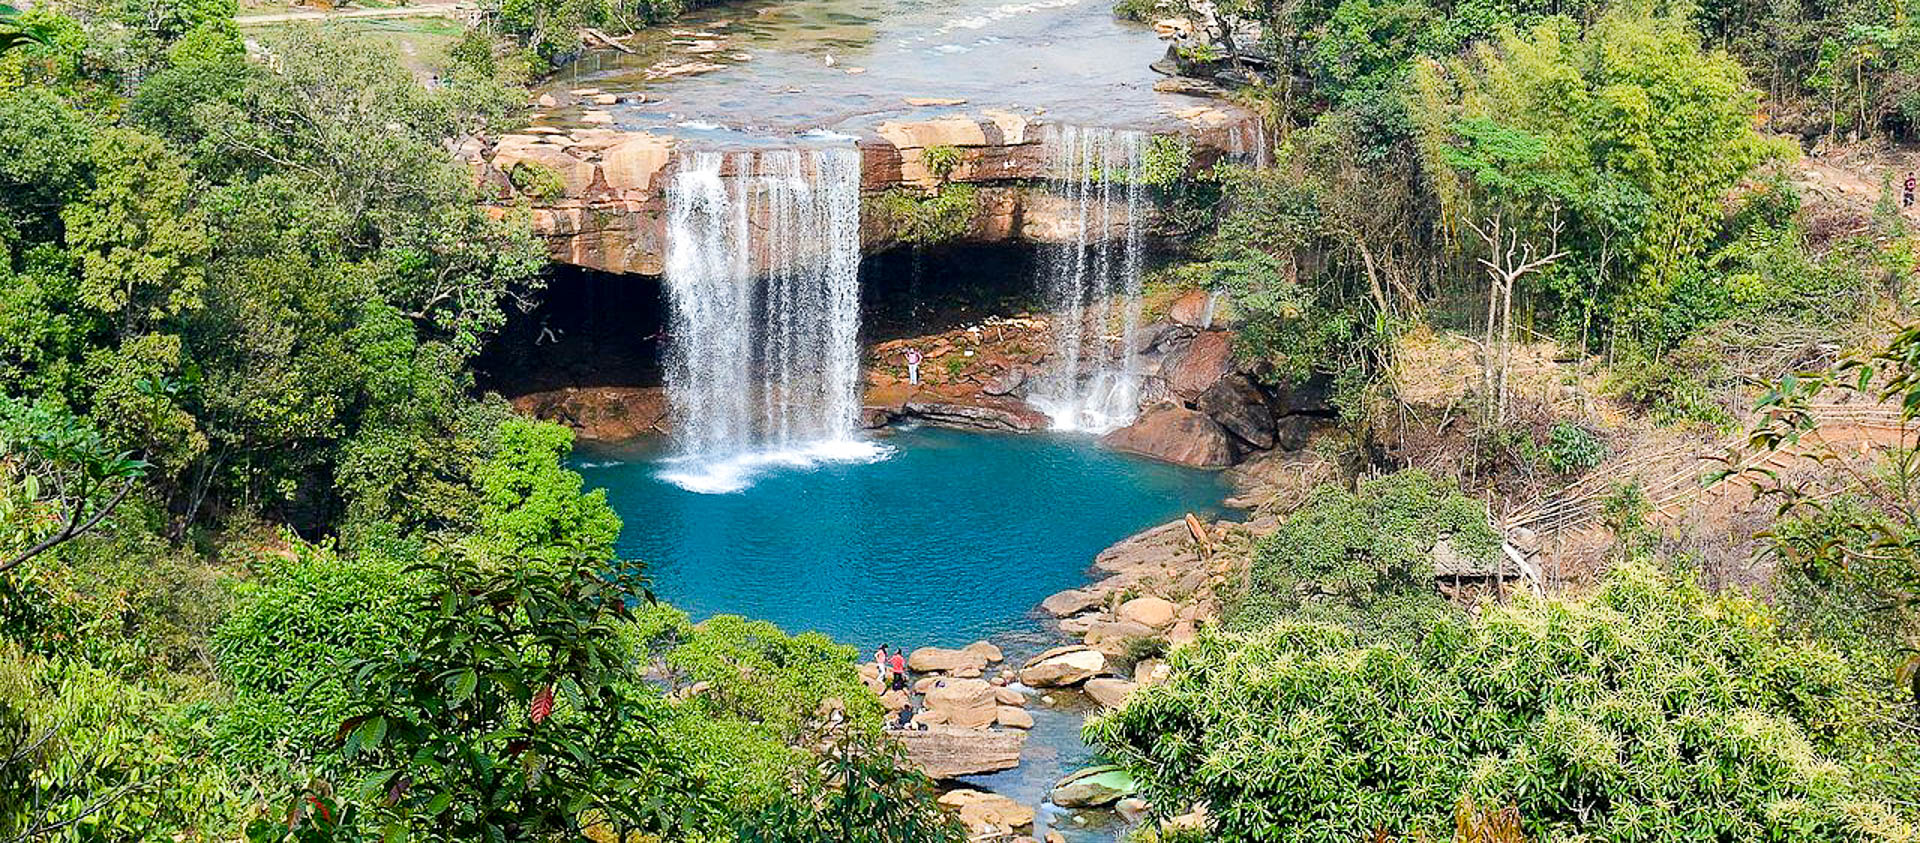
[1648, 712]
[1572, 448]
[1363, 558]
[940, 160]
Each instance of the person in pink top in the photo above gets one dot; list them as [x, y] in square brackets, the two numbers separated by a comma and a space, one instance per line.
[913, 366]
[899, 670]
[880, 661]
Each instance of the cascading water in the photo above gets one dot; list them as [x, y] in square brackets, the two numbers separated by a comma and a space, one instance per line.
[1092, 281]
[763, 278]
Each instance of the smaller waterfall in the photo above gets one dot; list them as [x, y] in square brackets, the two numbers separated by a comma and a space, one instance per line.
[1092, 282]
[762, 274]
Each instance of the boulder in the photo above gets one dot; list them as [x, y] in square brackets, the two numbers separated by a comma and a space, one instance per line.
[1108, 691]
[1093, 787]
[1150, 611]
[1132, 809]
[1014, 717]
[1073, 601]
[946, 752]
[1201, 309]
[1176, 435]
[1151, 672]
[941, 660]
[1192, 370]
[986, 651]
[1114, 638]
[1240, 407]
[1007, 383]
[965, 702]
[1182, 633]
[1059, 666]
[1009, 696]
[987, 813]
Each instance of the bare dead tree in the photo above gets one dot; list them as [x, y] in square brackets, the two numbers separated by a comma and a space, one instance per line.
[1511, 256]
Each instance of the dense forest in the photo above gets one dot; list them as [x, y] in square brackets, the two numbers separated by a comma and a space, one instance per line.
[272, 567]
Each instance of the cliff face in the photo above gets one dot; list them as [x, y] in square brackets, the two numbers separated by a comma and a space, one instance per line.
[598, 194]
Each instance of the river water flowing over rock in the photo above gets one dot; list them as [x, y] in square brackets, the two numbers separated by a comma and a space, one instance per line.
[765, 319]
[1092, 281]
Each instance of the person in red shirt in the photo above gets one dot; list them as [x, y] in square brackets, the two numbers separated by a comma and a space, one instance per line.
[1906, 196]
[899, 670]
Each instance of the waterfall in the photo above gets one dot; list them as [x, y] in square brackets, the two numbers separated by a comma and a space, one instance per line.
[1092, 281]
[762, 275]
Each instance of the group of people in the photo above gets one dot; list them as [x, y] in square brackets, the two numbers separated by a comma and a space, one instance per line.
[893, 676]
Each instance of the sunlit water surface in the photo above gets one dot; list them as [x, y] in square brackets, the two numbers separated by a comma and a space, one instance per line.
[954, 538]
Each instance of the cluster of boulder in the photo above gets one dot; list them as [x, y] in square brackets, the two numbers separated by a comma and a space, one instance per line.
[1159, 588]
[1206, 409]
[966, 723]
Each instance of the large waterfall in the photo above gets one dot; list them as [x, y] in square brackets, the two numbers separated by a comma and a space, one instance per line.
[762, 270]
[1092, 280]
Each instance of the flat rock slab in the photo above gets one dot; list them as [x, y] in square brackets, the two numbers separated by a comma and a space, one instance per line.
[948, 752]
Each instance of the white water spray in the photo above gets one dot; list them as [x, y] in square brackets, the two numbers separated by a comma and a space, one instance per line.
[1092, 282]
[763, 276]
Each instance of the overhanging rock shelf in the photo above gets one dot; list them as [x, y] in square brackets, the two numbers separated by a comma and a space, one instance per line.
[598, 194]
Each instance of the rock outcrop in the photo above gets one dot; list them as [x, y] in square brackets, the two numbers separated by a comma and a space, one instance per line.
[601, 414]
[1176, 435]
[597, 194]
[1069, 665]
[949, 752]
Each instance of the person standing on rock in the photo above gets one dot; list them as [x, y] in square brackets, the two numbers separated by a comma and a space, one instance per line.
[880, 661]
[899, 670]
[913, 365]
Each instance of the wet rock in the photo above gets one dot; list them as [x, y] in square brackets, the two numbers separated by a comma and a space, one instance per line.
[1150, 611]
[941, 660]
[1001, 414]
[1192, 370]
[1007, 383]
[1073, 601]
[986, 651]
[1093, 787]
[965, 702]
[1240, 407]
[946, 752]
[1059, 666]
[1014, 717]
[1108, 691]
[1176, 435]
[1200, 309]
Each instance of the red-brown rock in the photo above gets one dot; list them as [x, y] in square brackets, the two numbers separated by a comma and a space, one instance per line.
[1176, 435]
[1194, 369]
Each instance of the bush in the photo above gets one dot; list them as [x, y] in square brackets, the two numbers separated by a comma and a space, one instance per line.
[1648, 712]
[1572, 448]
[306, 615]
[1364, 558]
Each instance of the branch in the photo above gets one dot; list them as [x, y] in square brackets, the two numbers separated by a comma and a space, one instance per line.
[72, 528]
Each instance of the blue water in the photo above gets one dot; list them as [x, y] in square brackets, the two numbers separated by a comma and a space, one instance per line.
[954, 538]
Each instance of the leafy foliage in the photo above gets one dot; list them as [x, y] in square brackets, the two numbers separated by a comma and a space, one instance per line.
[1649, 711]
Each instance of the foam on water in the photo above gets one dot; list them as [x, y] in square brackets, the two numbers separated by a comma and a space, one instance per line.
[1092, 282]
[762, 275]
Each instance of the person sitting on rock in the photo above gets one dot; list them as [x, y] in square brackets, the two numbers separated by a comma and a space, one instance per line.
[906, 717]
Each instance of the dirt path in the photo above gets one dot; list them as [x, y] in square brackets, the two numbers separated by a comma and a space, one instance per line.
[1854, 177]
